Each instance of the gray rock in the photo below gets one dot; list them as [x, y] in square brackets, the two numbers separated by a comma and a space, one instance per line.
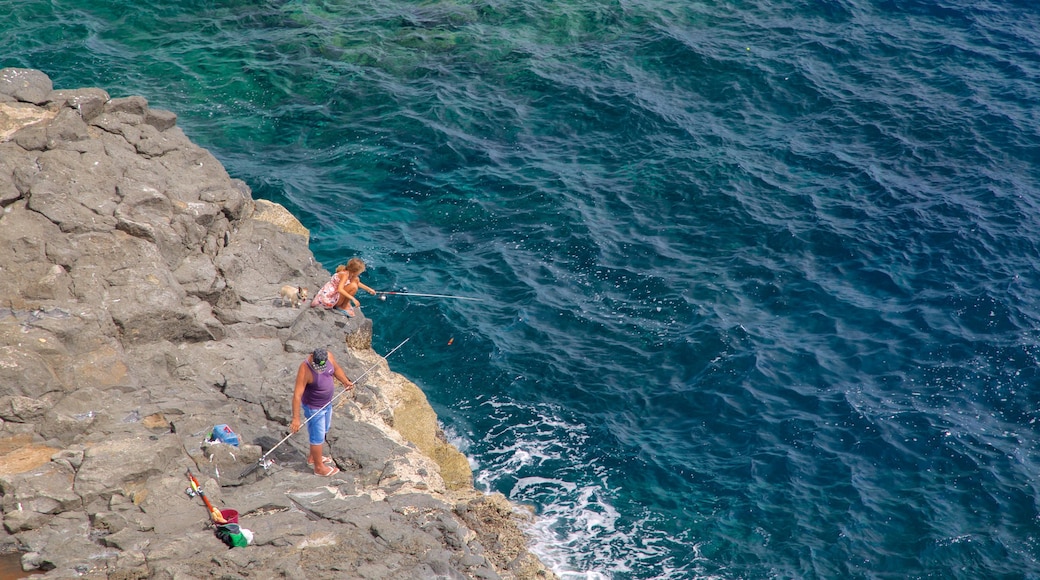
[33, 138]
[32, 498]
[130, 107]
[109, 464]
[67, 129]
[140, 286]
[72, 193]
[23, 409]
[25, 373]
[87, 102]
[161, 120]
[27, 85]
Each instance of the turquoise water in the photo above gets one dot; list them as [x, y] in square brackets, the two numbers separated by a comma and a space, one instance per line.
[758, 278]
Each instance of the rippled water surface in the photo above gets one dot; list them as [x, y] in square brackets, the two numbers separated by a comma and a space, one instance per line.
[758, 278]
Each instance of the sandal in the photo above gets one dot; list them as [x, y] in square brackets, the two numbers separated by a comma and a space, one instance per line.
[324, 459]
[349, 311]
[332, 471]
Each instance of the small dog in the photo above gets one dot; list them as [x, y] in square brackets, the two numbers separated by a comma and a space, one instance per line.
[294, 295]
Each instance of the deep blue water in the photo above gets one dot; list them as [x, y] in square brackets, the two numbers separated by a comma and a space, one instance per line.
[758, 278]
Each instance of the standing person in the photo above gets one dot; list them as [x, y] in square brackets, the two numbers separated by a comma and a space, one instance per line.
[313, 393]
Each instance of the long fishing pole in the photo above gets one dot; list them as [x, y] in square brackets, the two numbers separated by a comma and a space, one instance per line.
[429, 296]
[262, 462]
[196, 489]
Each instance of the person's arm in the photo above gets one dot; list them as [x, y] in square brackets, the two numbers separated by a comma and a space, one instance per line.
[366, 288]
[341, 288]
[302, 379]
[344, 281]
[339, 374]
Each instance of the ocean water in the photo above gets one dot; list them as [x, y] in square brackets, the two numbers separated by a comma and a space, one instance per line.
[757, 279]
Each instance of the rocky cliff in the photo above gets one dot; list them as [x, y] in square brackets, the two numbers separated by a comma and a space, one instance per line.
[140, 308]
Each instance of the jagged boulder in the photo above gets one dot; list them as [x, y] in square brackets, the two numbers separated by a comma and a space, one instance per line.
[28, 85]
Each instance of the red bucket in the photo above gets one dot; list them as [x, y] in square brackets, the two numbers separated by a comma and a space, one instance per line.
[230, 516]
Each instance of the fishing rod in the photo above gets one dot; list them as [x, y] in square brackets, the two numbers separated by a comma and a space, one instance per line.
[428, 296]
[195, 489]
[263, 461]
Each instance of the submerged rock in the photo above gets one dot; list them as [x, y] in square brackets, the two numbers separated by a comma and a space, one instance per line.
[141, 309]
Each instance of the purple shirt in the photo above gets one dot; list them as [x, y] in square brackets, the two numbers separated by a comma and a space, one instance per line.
[320, 390]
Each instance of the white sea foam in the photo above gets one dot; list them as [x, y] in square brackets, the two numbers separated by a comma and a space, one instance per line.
[536, 456]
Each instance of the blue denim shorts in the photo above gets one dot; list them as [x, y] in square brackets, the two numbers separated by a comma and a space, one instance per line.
[319, 425]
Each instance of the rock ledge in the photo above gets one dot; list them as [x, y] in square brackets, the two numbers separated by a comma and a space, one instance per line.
[140, 310]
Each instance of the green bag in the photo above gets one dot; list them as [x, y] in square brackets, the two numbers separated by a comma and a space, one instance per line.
[231, 534]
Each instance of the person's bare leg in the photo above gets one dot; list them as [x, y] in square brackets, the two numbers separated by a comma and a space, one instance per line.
[319, 467]
[344, 305]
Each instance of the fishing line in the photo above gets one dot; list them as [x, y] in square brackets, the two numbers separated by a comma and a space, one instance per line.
[384, 294]
[263, 461]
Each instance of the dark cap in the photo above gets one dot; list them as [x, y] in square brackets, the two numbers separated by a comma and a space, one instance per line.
[320, 356]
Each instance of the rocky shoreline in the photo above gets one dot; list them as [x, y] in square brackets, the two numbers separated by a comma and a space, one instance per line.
[140, 308]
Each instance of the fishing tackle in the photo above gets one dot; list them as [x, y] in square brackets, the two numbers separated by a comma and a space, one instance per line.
[428, 296]
[195, 489]
[264, 462]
